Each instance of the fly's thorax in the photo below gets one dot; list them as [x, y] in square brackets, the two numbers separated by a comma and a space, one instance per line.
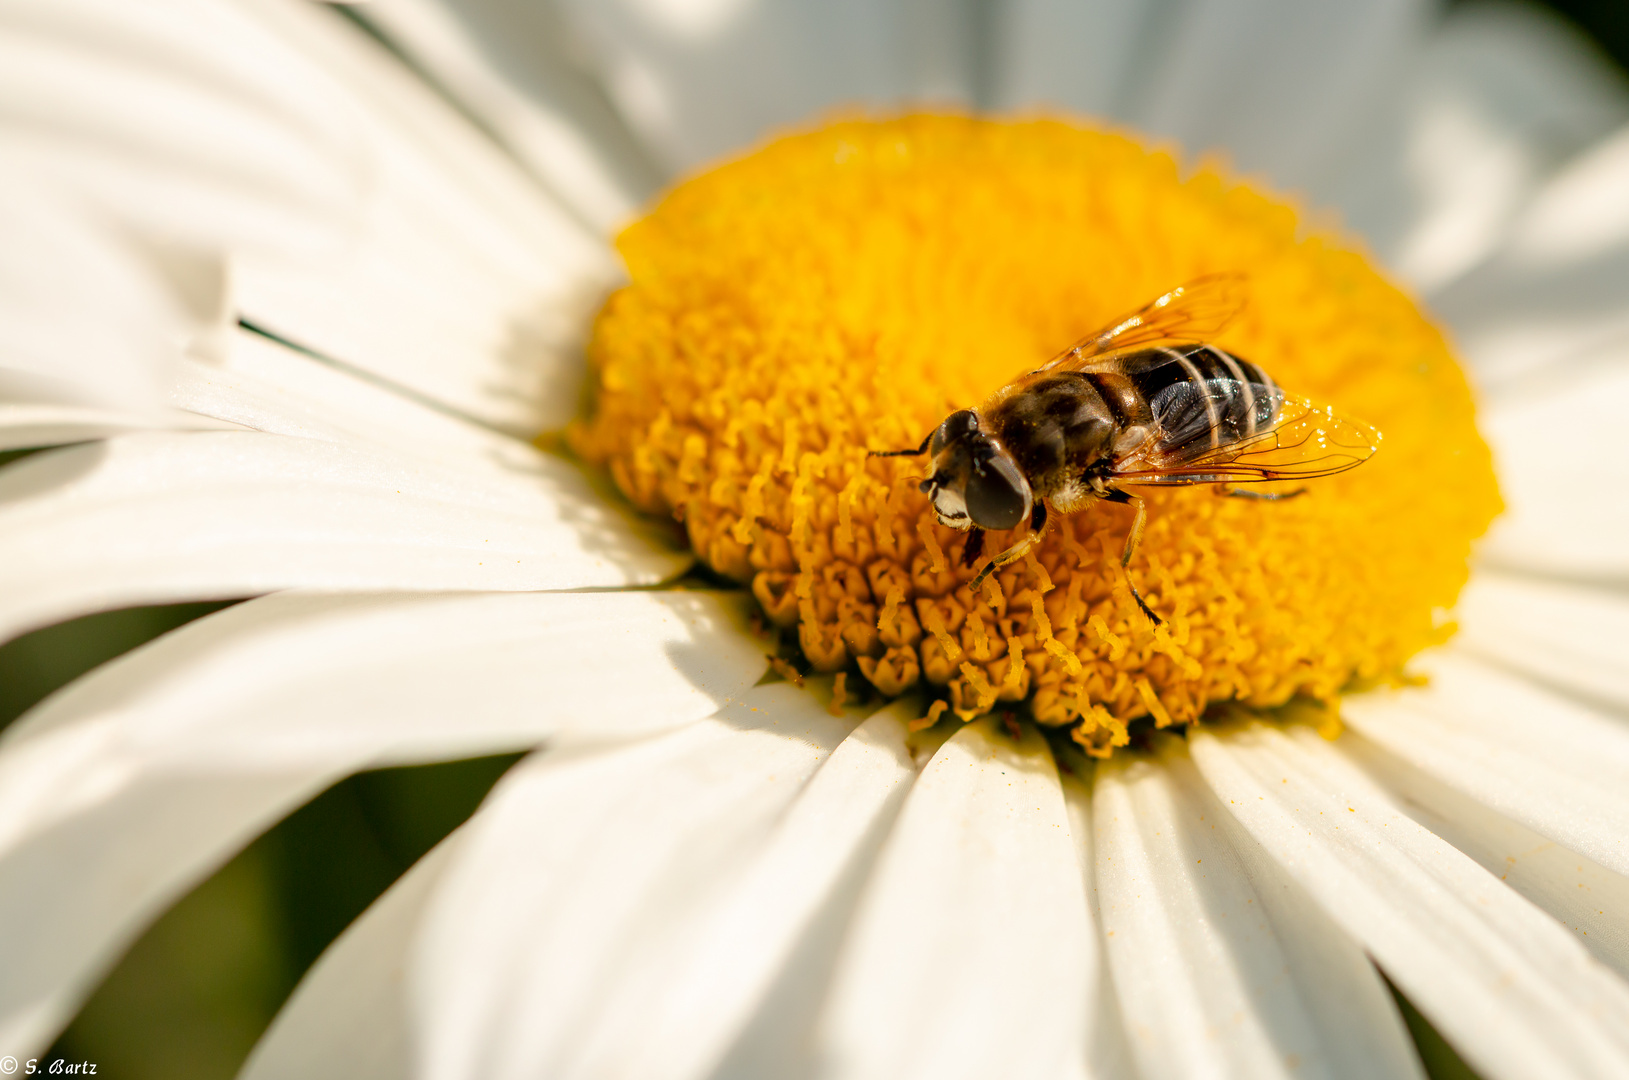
[1056, 426]
[975, 480]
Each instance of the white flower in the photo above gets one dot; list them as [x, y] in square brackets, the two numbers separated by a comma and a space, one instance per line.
[697, 876]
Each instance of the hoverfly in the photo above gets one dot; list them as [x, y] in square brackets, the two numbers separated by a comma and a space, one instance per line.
[1142, 401]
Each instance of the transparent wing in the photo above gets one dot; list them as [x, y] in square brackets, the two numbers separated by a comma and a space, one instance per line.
[1303, 442]
[1186, 315]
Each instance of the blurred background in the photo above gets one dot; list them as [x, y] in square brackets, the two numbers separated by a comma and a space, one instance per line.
[190, 998]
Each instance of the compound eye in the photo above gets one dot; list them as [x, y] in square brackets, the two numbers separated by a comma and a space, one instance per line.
[998, 496]
[955, 428]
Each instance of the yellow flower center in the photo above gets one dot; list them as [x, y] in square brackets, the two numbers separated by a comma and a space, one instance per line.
[844, 290]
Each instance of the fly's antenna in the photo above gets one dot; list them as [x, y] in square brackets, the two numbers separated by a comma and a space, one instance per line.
[918, 452]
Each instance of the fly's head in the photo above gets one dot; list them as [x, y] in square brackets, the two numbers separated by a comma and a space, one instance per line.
[975, 481]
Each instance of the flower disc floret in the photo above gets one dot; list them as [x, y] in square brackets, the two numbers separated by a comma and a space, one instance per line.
[842, 290]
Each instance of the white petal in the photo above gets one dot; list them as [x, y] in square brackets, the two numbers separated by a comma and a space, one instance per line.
[1199, 975]
[25, 426]
[1585, 897]
[1536, 757]
[1562, 517]
[694, 991]
[1511, 989]
[969, 954]
[1212, 75]
[348, 1018]
[1349, 1003]
[1215, 977]
[138, 780]
[699, 80]
[220, 514]
[1553, 293]
[579, 867]
[1510, 93]
[270, 387]
[85, 319]
[74, 895]
[1580, 213]
[1079, 56]
[512, 66]
[1498, 97]
[296, 680]
[181, 118]
[701, 982]
[1219, 79]
[468, 284]
[1571, 637]
[179, 132]
[1108, 1051]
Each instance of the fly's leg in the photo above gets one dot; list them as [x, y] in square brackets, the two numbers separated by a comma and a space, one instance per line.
[1011, 555]
[1134, 538]
[918, 452]
[1037, 523]
[1265, 496]
[974, 546]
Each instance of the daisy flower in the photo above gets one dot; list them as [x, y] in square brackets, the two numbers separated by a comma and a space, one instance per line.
[296, 298]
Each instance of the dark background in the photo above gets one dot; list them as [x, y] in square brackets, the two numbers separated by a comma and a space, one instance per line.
[1607, 21]
[189, 999]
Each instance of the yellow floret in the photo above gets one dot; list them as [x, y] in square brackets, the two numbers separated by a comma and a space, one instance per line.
[843, 290]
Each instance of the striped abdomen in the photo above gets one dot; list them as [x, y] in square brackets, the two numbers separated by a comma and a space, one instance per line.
[1201, 398]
